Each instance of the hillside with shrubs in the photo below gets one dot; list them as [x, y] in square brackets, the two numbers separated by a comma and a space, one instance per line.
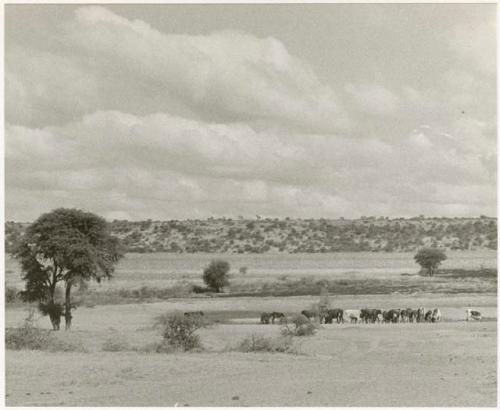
[262, 235]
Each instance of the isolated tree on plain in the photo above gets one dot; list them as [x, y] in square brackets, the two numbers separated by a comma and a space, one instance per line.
[68, 246]
[215, 275]
[430, 259]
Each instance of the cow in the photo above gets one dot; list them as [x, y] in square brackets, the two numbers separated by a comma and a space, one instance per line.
[428, 316]
[333, 314]
[310, 314]
[405, 316]
[436, 316]
[278, 315]
[369, 315]
[420, 314]
[473, 314]
[412, 315]
[386, 316]
[265, 318]
[394, 315]
[353, 315]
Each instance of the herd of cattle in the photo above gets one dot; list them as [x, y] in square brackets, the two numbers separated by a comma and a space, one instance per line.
[408, 315]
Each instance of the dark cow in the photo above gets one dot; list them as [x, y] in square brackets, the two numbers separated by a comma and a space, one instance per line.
[412, 315]
[310, 314]
[428, 316]
[265, 318]
[421, 315]
[332, 314]
[394, 315]
[277, 315]
[370, 315]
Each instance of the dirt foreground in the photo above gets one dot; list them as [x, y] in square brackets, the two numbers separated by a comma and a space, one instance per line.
[447, 364]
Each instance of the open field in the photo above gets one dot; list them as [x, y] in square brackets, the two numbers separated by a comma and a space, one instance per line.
[452, 363]
[166, 269]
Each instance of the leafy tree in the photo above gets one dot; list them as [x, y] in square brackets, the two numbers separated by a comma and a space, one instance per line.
[215, 275]
[69, 246]
[430, 259]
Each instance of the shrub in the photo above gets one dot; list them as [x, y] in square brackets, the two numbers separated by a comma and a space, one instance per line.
[178, 331]
[30, 337]
[200, 289]
[215, 274]
[299, 325]
[255, 343]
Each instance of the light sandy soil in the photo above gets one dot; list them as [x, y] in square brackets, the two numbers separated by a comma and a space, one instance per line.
[452, 363]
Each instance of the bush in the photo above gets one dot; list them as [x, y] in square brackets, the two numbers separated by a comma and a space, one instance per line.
[299, 325]
[255, 343]
[30, 337]
[178, 331]
[200, 289]
[215, 274]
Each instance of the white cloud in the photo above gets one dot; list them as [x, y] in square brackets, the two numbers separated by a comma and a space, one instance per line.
[227, 74]
[374, 99]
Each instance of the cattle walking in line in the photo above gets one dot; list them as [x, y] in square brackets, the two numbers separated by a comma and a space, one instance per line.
[404, 315]
[473, 314]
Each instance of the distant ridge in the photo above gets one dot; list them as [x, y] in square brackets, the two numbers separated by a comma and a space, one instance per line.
[263, 235]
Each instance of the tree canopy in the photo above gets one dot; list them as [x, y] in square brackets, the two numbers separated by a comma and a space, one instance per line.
[215, 275]
[430, 259]
[65, 245]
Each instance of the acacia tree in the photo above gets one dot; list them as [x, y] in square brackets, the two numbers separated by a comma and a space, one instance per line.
[68, 246]
[430, 259]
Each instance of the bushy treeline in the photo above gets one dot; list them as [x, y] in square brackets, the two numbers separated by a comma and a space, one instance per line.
[297, 235]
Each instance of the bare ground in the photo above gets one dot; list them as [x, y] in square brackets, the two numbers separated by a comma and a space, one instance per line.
[452, 363]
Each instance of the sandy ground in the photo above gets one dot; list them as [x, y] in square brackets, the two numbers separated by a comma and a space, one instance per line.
[449, 364]
[452, 363]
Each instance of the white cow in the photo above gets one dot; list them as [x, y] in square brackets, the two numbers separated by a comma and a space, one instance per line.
[353, 315]
[473, 314]
[436, 315]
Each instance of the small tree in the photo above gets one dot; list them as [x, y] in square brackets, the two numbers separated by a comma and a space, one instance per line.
[215, 275]
[65, 246]
[430, 259]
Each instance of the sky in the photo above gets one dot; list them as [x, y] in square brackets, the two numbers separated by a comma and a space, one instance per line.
[194, 111]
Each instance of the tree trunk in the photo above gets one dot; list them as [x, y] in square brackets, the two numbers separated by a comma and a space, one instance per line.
[67, 307]
[55, 317]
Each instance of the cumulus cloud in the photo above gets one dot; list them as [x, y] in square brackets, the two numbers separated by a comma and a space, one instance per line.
[116, 116]
[225, 75]
[373, 99]
[163, 162]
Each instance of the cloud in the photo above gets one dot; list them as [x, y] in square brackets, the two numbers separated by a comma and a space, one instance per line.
[475, 42]
[110, 62]
[164, 166]
[373, 99]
